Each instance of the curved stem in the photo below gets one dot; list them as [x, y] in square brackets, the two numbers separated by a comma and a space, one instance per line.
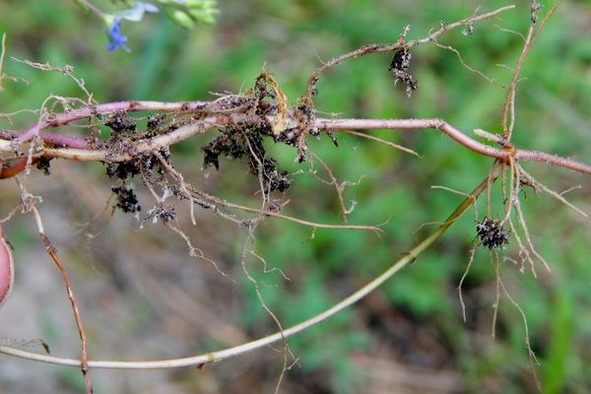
[502, 154]
[221, 355]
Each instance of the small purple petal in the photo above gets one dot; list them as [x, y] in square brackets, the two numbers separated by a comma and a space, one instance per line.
[116, 38]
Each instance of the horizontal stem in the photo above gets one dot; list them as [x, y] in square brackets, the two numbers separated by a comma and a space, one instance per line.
[56, 120]
[77, 151]
[502, 154]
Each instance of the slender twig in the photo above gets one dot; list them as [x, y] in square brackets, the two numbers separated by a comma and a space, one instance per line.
[51, 250]
[339, 187]
[381, 141]
[89, 6]
[529, 40]
[496, 266]
[377, 48]
[551, 192]
[532, 356]
[467, 66]
[255, 283]
[462, 279]
[259, 211]
[528, 239]
[4, 76]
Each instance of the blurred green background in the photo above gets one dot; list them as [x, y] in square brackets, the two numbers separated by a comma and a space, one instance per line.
[143, 297]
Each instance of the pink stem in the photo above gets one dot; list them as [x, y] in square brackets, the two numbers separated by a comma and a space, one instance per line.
[6, 269]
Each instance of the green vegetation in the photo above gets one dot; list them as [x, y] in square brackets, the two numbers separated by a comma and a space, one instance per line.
[414, 321]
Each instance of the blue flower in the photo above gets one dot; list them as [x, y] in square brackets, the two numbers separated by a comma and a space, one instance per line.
[116, 39]
[135, 14]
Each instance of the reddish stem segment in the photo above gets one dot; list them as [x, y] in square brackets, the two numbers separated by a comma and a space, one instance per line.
[6, 269]
[9, 172]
